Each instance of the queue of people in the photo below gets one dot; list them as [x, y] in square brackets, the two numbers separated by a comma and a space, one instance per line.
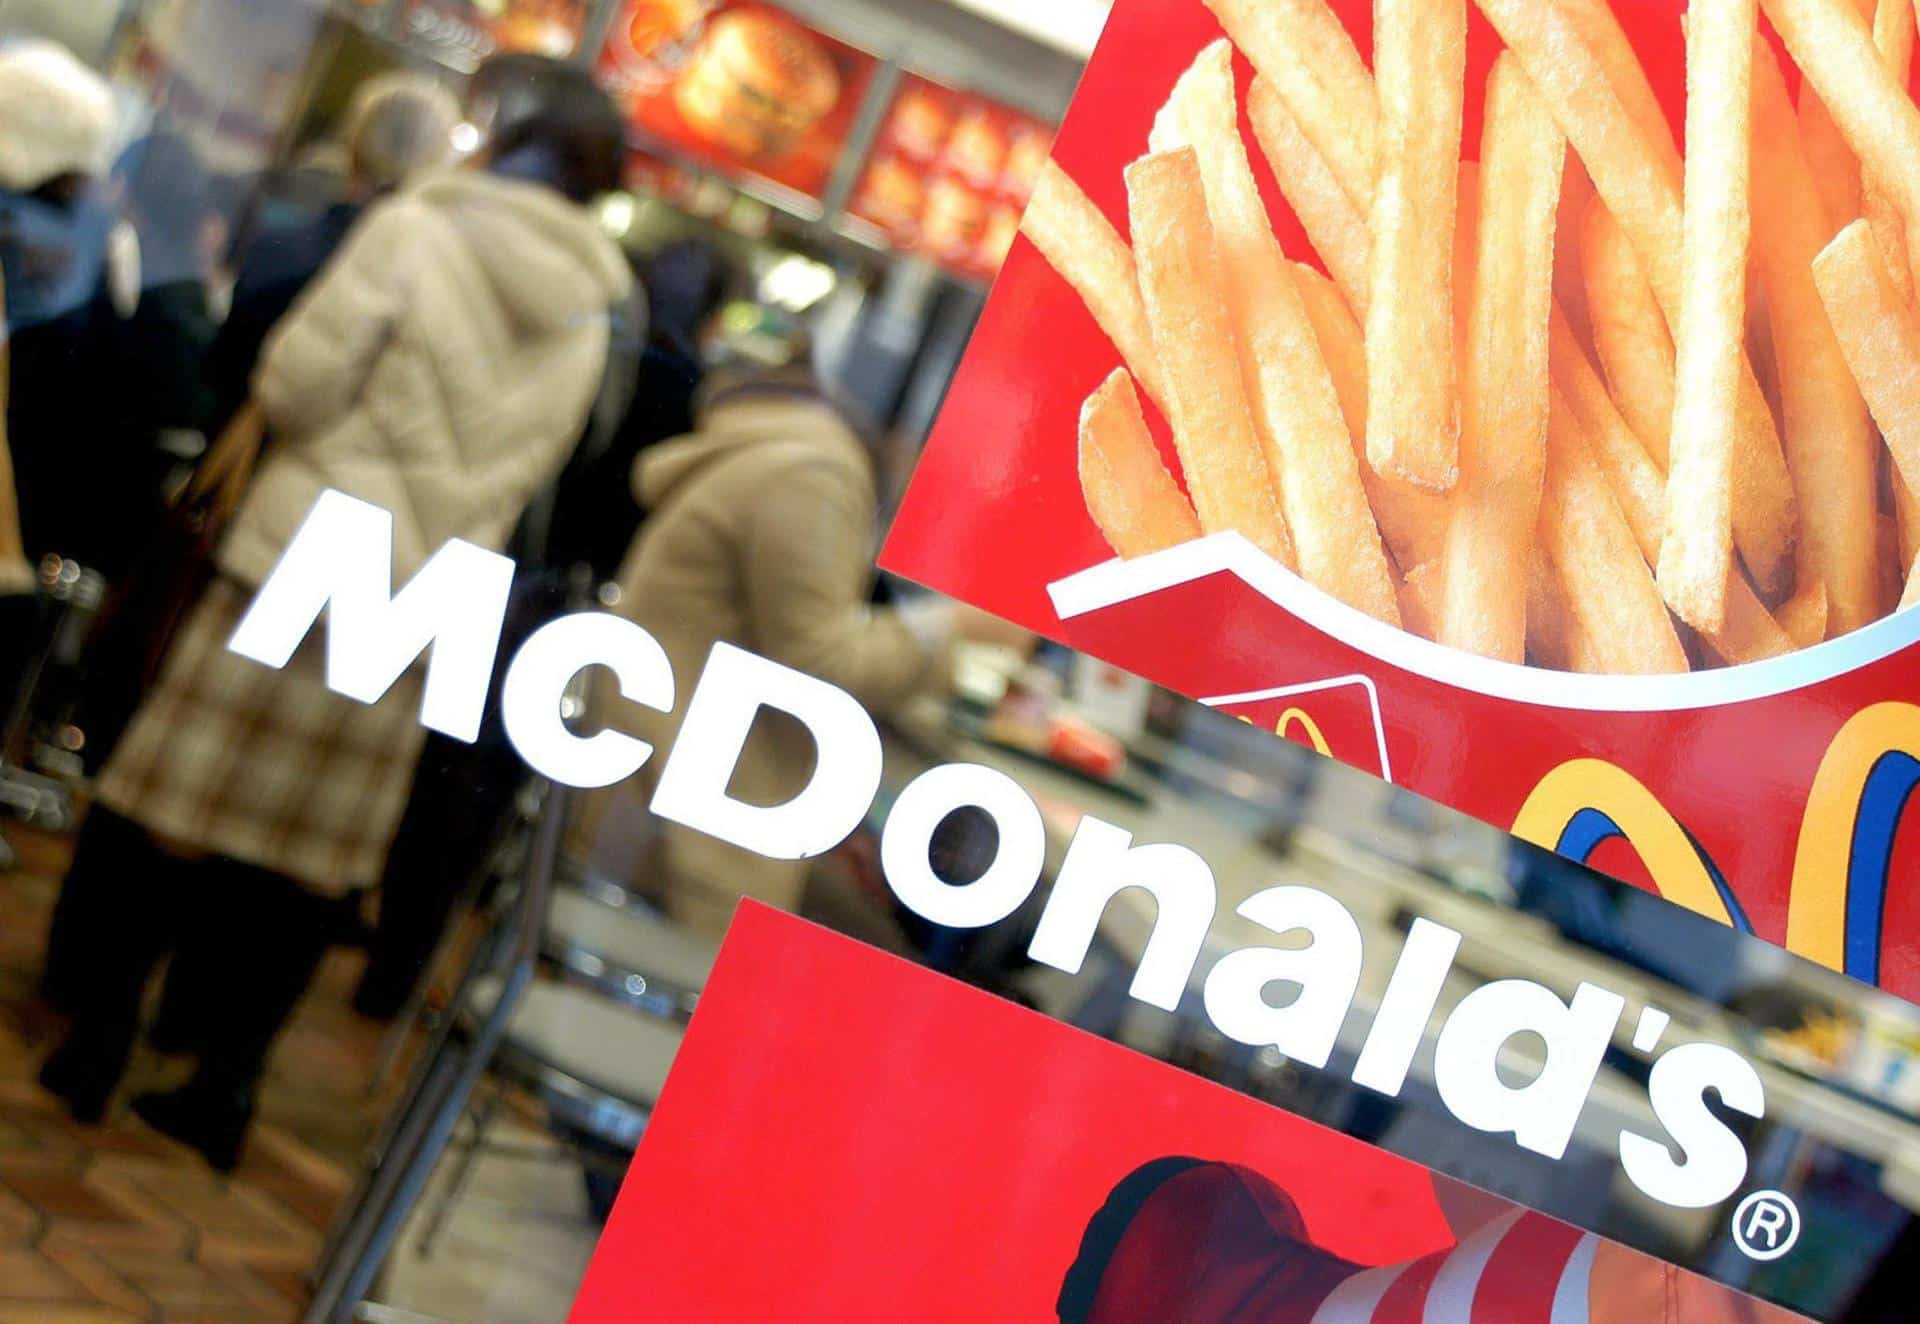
[457, 340]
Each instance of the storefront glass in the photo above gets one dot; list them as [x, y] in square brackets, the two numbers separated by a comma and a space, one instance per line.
[691, 659]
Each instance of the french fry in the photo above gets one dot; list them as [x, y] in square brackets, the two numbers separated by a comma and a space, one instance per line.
[1629, 332]
[1638, 483]
[1630, 174]
[1836, 170]
[1590, 548]
[1880, 337]
[1184, 290]
[1906, 505]
[1600, 30]
[1894, 563]
[1835, 50]
[1910, 596]
[1696, 555]
[1130, 495]
[1750, 633]
[1296, 411]
[1080, 244]
[1555, 639]
[1893, 38]
[1804, 615]
[1569, 282]
[1300, 48]
[1420, 599]
[1337, 228]
[1824, 422]
[1503, 434]
[1413, 407]
[1627, 170]
[1412, 520]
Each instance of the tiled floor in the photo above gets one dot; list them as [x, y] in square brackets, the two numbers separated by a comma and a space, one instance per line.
[117, 1224]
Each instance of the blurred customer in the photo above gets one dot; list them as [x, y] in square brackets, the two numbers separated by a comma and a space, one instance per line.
[596, 508]
[462, 791]
[396, 125]
[56, 128]
[166, 195]
[441, 366]
[760, 533]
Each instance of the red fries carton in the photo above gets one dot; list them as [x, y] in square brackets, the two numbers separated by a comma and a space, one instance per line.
[1593, 538]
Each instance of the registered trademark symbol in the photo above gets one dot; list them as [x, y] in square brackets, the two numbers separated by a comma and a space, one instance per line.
[1766, 1225]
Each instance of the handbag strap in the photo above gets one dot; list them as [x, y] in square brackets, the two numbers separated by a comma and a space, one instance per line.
[222, 477]
[12, 550]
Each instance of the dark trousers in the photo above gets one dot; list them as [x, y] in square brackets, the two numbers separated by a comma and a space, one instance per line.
[126, 905]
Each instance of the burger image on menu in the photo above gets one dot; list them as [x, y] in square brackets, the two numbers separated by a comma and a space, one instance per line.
[757, 85]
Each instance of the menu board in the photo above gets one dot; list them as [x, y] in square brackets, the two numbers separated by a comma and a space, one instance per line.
[950, 175]
[1214, 464]
[745, 89]
[468, 32]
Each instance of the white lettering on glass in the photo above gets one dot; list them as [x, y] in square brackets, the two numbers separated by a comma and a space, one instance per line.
[733, 689]
[1413, 991]
[1019, 854]
[1542, 1113]
[341, 562]
[537, 680]
[1102, 861]
[1327, 972]
[1716, 1161]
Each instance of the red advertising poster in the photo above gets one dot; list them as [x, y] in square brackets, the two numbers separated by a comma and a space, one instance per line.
[746, 89]
[950, 175]
[1288, 547]
[848, 1136]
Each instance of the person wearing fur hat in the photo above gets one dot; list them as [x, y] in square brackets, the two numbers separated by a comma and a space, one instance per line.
[442, 366]
[57, 124]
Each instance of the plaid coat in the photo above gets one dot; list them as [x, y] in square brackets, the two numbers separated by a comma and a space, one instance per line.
[442, 366]
[268, 767]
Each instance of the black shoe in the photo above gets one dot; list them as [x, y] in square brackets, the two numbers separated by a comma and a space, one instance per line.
[82, 1085]
[212, 1122]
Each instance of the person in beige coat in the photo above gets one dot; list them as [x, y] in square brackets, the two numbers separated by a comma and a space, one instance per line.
[442, 366]
[760, 532]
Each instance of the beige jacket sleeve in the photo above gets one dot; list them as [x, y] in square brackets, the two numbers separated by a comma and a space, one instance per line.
[808, 565]
[317, 361]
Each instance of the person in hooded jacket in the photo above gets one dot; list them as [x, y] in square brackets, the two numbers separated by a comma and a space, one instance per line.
[441, 367]
[760, 532]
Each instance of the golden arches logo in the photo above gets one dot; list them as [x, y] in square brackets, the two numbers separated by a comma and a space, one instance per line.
[1841, 863]
[1308, 727]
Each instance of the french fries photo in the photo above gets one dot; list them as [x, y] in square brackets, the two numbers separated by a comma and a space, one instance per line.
[1413, 404]
[1696, 555]
[1295, 408]
[1881, 338]
[1069, 230]
[1184, 289]
[1503, 435]
[1303, 52]
[1541, 386]
[1824, 424]
[1129, 492]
